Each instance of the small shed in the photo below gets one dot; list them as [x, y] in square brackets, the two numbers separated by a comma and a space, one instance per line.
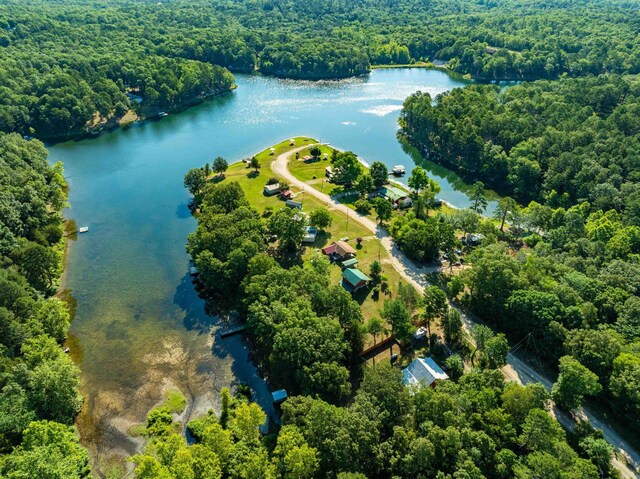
[270, 190]
[350, 263]
[286, 194]
[405, 202]
[279, 396]
[293, 204]
[328, 172]
[310, 235]
[353, 279]
[307, 158]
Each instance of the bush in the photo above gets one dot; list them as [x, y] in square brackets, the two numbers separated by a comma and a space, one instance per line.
[273, 181]
[532, 240]
[363, 207]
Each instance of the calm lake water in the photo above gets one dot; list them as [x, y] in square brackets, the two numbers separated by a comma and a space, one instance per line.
[140, 328]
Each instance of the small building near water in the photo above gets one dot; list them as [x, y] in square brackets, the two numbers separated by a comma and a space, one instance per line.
[279, 396]
[270, 190]
[392, 193]
[423, 372]
[353, 279]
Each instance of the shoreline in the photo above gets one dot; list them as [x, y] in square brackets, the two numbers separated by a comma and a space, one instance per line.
[111, 126]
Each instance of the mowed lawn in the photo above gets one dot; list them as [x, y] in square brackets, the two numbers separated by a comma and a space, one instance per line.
[370, 250]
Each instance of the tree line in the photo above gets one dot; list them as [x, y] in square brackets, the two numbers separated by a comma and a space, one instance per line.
[39, 396]
[561, 142]
[66, 68]
[476, 427]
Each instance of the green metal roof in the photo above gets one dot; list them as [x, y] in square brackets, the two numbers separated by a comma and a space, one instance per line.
[393, 193]
[350, 262]
[354, 276]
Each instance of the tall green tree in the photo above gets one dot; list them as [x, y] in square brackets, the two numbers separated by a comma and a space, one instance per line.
[574, 382]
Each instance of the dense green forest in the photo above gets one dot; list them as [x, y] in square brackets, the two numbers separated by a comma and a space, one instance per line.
[39, 396]
[559, 142]
[562, 274]
[477, 427]
[66, 67]
[307, 336]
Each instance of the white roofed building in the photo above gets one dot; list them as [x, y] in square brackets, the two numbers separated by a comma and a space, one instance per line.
[423, 372]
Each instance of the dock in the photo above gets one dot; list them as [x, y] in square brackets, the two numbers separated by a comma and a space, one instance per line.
[233, 331]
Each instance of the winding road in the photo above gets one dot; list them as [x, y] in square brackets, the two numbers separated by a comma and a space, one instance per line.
[626, 459]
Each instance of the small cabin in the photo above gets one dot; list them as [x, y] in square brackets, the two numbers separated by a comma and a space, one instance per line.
[350, 263]
[339, 251]
[353, 279]
[270, 190]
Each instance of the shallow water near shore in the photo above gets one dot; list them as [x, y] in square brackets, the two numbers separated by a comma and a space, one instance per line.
[140, 327]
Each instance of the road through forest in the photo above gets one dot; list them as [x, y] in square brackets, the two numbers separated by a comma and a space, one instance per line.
[516, 369]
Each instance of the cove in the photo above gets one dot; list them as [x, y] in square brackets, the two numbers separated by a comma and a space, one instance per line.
[139, 327]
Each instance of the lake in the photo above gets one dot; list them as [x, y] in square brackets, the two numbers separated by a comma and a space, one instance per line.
[140, 328]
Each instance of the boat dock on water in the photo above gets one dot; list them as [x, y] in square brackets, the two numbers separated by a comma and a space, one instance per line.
[398, 170]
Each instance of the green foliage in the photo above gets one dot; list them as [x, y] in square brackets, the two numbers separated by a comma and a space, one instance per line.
[379, 173]
[220, 165]
[418, 179]
[38, 381]
[397, 315]
[365, 185]
[289, 226]
[363, 206]
[520, 143]
[254, 163]
[422, 239]
[346, 168]
[574, 382]
[194, 180]
[320, 218]
[452, 327]
[477, 197]
[229, 235]
[383, 209]
[49, 450]
[455, 366]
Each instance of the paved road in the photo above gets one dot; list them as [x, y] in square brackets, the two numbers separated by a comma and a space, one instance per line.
[516, 369]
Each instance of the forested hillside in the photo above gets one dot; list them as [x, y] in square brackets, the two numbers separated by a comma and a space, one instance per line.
[560, 142]
[39, 396]
[561, 275]
[66, 67]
